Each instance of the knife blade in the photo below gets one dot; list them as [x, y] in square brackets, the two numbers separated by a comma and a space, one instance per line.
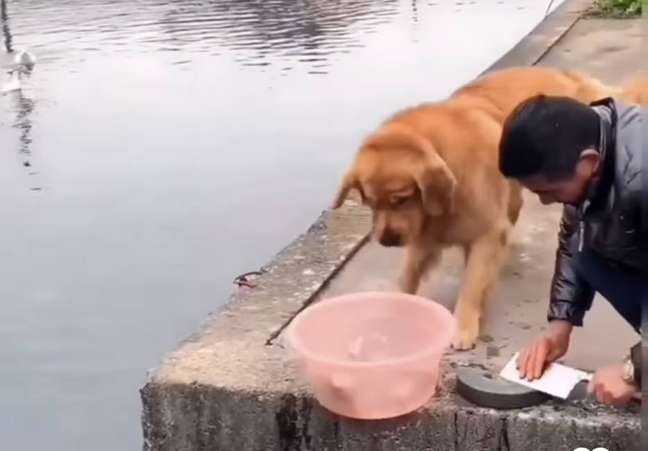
[558, 380]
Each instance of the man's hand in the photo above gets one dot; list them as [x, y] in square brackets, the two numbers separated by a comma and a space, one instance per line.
[608, 386]
[549, 347]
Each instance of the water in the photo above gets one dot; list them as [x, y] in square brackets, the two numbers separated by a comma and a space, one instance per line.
[161, 148]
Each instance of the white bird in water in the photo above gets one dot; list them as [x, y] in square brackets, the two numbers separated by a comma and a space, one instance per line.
[24, 62]
[26, 59]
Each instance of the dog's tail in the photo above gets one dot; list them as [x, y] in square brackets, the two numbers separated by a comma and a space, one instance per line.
[635, 89]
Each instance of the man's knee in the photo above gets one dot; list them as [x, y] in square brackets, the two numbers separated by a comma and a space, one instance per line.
[621, 286]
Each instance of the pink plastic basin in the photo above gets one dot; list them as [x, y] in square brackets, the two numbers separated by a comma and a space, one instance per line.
[372, 355]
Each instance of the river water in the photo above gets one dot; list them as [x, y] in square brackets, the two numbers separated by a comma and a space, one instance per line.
[159, 148]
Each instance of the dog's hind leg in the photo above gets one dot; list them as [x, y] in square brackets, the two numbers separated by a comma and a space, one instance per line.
[483, 264]
[419, 258]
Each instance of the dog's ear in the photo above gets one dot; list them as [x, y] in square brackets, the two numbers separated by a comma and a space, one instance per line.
[349, 182]
[437, 185]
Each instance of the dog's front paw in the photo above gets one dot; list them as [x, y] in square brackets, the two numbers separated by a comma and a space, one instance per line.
[467, 330]
[464, 340]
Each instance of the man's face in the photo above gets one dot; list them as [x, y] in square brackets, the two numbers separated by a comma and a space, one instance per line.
[572, 190]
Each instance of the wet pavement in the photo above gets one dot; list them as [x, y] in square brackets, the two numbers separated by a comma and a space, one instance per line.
[161, 148]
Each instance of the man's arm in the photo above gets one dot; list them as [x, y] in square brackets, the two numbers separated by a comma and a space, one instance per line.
[571, 296]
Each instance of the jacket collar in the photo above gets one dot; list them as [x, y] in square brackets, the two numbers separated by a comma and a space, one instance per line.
[606, 111]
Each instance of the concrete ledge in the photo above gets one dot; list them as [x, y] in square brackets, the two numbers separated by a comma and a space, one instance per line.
[233, 387]
[197, 417]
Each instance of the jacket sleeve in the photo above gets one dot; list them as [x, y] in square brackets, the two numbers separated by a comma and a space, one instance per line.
[570, 296]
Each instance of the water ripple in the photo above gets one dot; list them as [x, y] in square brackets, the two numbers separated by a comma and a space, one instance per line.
[281, 28]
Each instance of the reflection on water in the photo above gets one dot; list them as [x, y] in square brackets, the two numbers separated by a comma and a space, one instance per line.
[20, 104]
[159, 148]
[5, 26]
[268, 32]
[23, 107]
[258, 32]
[263, 32]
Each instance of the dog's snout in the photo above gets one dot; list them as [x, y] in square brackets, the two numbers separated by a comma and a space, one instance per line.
[390, 239]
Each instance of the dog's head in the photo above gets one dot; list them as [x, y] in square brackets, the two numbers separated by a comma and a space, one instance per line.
[404, 181]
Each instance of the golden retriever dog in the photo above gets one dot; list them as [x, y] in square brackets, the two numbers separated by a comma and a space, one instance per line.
[430, 176]
[635, 89]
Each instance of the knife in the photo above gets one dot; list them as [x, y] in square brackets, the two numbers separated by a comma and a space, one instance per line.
[558, 380]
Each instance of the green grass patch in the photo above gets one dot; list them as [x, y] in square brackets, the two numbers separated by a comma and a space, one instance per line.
[619, 8]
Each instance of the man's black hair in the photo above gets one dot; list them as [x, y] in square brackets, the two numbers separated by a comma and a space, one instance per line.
[546, 136]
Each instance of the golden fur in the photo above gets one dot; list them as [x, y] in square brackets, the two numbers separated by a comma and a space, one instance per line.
[430, 175]
[635, 90]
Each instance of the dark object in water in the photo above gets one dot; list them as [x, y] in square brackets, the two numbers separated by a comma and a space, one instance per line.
[245, 280]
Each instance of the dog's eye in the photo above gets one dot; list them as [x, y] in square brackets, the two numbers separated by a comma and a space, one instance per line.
[399, 199]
